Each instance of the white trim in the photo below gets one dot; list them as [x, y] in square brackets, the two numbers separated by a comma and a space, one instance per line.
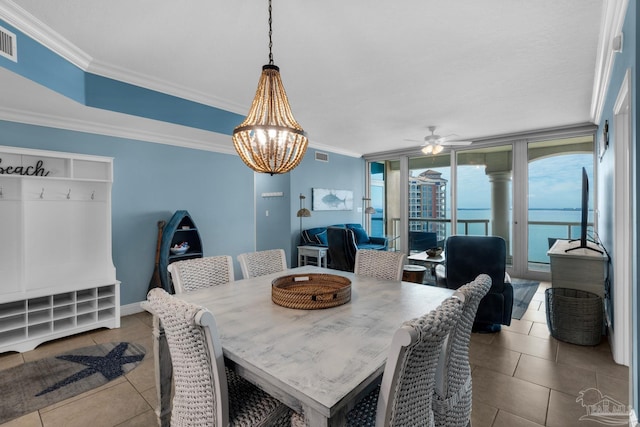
[211, 141]
[129, 309]
[633, 418]
[623, 225]
[611, 27]
[43, 34]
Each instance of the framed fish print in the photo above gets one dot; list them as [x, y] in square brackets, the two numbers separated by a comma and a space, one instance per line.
[324, 199]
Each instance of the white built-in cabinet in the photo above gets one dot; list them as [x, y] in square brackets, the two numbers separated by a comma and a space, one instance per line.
[56, 271]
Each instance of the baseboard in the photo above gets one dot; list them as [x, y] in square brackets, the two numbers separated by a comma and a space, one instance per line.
[633, 418]
[126, 310]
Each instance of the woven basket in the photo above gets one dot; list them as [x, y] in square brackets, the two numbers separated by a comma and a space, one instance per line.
[574, 316]
[311, 291]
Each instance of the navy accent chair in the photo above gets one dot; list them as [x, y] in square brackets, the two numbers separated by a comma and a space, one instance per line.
[470, 256]
[342, 248]
[420, 241]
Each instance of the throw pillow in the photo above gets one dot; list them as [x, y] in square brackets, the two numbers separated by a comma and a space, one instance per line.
[322, 238]
[361, 235]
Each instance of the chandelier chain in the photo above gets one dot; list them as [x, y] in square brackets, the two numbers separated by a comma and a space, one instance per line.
[270, 33]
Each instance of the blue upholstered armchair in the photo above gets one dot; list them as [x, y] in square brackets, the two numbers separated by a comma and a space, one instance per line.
[469, 256]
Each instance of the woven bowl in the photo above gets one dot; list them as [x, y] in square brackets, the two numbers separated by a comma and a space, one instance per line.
[434, 252]
[311, 291]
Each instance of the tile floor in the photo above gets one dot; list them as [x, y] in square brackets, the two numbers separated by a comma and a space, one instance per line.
[521, 378]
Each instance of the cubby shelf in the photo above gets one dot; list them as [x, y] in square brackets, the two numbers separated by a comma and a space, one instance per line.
[58, 277]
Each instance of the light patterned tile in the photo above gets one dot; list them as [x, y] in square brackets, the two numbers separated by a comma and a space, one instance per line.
[29, 420]
[482, 414]
[596, 358]
[528, 344]
[519, 326]
[10, 359]
[493, 357]
[568, 379]
[564, 411]
[518, 397]
[107, 408]
[613, 387]
[506, 419]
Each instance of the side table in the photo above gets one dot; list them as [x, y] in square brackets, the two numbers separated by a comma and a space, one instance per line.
[317, 252]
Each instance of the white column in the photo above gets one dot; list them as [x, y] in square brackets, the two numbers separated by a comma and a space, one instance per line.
[500, 205]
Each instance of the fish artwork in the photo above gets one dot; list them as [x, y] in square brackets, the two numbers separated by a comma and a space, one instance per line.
[334, 201]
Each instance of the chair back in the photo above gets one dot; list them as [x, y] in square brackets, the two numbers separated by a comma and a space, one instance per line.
[255, 264]
[198, 273]
[200, 381]
[408, 381]
[341, 248]
[470, 256]
[452, 398]
[380, 264]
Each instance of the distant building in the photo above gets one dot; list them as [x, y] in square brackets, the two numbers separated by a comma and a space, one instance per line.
[427, 199]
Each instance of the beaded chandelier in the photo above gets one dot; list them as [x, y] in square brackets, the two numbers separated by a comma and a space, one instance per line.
[270, 140]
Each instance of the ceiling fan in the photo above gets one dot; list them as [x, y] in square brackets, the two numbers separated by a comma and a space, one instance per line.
[434, 144]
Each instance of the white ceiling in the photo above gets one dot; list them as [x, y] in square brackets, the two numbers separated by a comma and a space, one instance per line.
[361, 76]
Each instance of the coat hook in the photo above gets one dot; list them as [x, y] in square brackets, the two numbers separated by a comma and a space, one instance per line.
[69, 194]
[93, 194]
[42, 193]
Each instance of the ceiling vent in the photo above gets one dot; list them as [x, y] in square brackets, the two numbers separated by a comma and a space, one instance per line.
[322, 157]
[8, 47]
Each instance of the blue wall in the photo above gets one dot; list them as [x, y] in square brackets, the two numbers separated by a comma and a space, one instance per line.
[152, 181]
[627, 59]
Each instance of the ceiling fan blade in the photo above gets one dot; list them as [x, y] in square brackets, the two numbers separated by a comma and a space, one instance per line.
[414, 140]
[451, 143]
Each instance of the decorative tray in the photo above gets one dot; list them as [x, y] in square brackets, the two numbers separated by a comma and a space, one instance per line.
[311, 291]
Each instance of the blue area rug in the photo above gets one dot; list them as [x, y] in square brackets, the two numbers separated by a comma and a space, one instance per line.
[38, 384]
[523, 292]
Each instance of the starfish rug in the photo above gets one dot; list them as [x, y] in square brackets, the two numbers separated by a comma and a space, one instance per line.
[35, 385]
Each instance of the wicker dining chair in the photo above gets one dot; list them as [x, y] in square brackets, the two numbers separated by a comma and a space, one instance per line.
[380, 264]
[254, 264]
[207, 394]
[405, 394]
[198, 273]
[453, 392]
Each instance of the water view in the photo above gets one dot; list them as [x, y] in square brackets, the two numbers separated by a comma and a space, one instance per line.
[539, 234]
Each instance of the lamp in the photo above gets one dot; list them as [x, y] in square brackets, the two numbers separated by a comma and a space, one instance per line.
[302, 212]
[270, 140]
[366, 210]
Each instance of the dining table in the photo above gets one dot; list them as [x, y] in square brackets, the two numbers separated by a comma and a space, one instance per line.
[318, 362]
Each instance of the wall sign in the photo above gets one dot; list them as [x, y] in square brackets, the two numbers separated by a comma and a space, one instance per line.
[33, 170]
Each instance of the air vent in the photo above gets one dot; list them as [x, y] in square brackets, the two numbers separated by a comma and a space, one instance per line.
[8, 45]
[322, 157]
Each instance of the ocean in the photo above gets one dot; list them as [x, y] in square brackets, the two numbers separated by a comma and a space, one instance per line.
[538, 234]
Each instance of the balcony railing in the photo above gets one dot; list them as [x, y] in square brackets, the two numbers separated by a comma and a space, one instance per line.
[540, 232]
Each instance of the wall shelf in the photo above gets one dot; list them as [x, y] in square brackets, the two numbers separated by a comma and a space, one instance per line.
[180, 228]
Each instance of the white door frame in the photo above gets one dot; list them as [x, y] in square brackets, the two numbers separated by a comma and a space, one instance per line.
[623, 226]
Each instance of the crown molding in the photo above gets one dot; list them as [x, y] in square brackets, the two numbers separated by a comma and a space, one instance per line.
[49, 38]
[43, 34]
[209, 141]
[610, 28]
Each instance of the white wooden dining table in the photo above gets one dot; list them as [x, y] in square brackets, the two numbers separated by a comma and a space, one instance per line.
[315, 361]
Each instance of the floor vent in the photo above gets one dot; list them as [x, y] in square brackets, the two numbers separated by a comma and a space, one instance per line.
[322, 157]
[8, 47]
